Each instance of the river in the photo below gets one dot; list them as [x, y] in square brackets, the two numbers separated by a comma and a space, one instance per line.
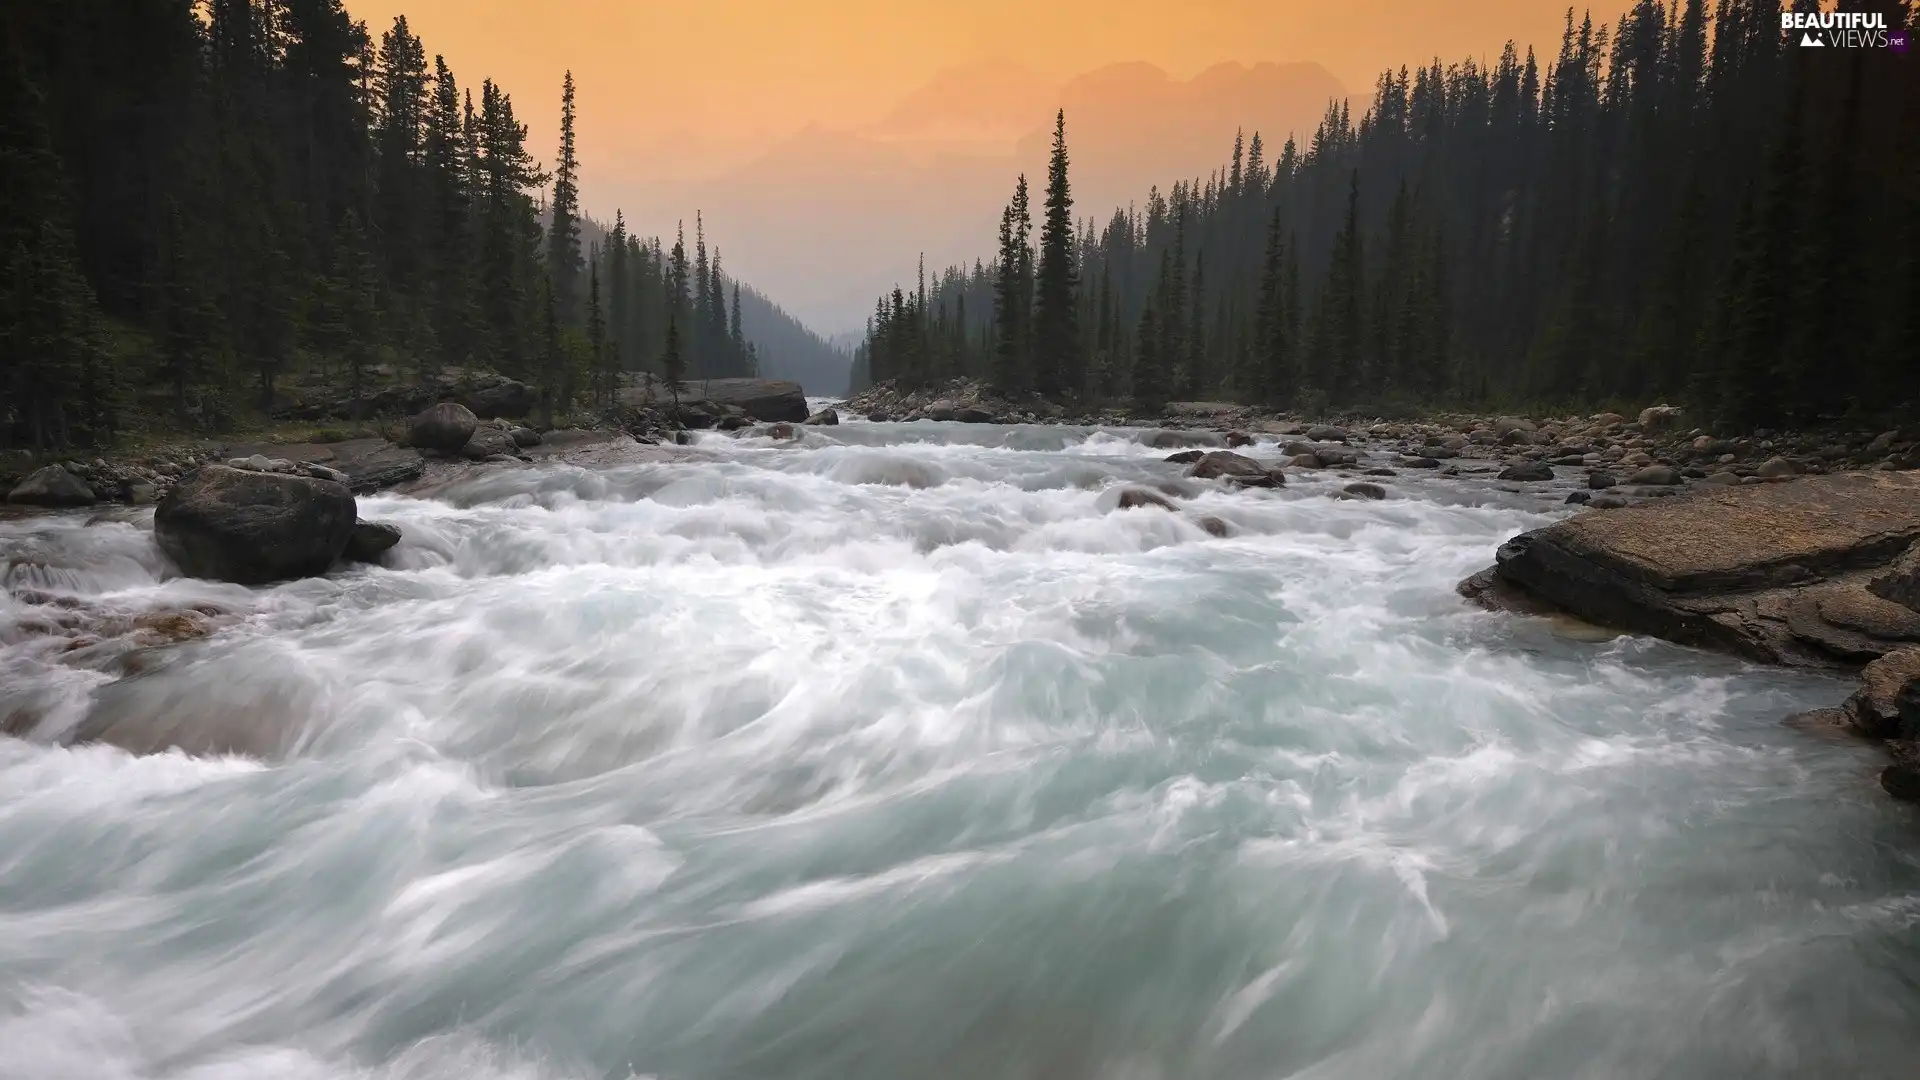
[903, 753]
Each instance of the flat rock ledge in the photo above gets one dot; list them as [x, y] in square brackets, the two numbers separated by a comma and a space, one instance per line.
[1817, 571]
[1821, 571]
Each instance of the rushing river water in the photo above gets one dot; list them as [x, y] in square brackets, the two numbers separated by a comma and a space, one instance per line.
[904, 753]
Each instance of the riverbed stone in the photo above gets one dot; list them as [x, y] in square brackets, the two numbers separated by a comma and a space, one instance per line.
[252, 527]
[1657, 476]
[1660, 419]
[444, 428]
[52, 485]
[487, 443]
[1527, 472]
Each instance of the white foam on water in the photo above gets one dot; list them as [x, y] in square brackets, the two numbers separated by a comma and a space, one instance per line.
[900, 750]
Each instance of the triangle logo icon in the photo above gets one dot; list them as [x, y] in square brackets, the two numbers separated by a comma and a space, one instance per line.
[1807, 40]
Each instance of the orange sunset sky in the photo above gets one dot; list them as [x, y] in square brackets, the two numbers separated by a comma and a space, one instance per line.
[744, 107]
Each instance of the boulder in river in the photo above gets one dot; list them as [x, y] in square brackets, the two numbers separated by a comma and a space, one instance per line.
[1133, 498]
[827, 417]
[974, 414]
[254, 527]
[1185, 457]
[370, 540]
[1235, 469]
[1364, 490]
[444, 428]
[1172, 438]
[1527, 472]
[52, 485]
[1782, 573]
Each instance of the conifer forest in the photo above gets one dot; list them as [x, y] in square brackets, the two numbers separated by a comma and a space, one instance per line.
[201, 198]
[1683, 206]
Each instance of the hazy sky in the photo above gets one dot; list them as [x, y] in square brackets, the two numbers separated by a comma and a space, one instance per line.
[679, 90]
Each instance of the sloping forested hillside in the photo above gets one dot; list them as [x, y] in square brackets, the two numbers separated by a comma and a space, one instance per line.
[201, 201]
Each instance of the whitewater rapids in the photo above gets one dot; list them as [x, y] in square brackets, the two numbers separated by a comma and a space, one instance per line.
[903, 753]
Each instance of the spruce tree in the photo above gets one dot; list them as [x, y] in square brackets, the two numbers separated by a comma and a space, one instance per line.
[1056, 327]
[599, 366]
[563, 232]
[1011, 296]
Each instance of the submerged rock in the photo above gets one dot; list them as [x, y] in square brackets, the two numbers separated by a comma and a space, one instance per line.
[252, 528]
[1754, 570]
[1365, 491]
[52, 485]
[1133, 498]
[370, 540]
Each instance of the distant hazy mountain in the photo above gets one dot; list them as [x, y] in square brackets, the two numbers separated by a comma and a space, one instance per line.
[788, 350]
[825, 219]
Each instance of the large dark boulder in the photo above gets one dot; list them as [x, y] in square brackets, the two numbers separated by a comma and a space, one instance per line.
[253, 527]
[767, 400]
[52, 485]
[500, 398]
[445, 427]
[1795, 572]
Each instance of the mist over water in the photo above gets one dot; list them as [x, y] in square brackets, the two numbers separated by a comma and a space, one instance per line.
[903, 753]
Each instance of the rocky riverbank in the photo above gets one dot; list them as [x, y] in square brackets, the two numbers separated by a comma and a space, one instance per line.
[1660, 447]
[492, 422]
[1817, 571]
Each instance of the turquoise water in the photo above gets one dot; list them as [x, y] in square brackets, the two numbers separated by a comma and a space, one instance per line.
[902, 753]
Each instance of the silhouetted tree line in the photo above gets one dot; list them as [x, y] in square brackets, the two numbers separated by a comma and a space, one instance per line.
[1682, 206]
[199, 197]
